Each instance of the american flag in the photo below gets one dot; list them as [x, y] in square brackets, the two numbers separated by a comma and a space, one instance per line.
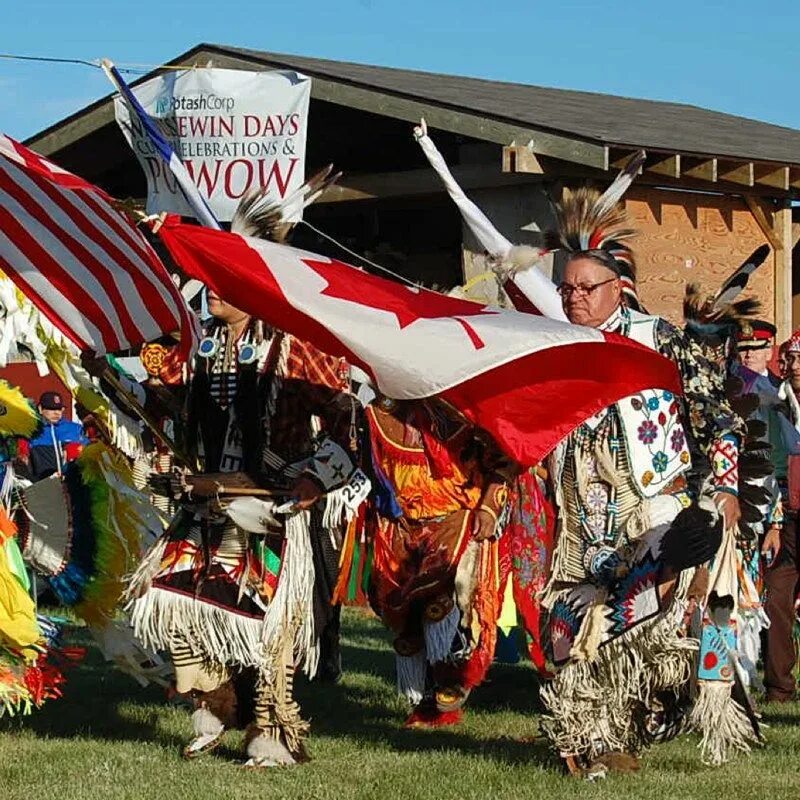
[81, 262]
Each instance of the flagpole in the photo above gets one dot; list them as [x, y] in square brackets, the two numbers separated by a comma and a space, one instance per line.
[107, 374]
[172, 161]
[163, 148]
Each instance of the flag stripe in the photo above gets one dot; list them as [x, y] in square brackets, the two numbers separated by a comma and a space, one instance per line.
[80, 248]
[159, 278]
[144, 300]
[38, 289]
[83, 263]
[56, 262]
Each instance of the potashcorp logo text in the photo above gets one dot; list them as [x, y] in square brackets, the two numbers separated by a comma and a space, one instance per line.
[167, 104]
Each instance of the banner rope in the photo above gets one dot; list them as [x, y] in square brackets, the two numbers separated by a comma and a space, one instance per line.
[360, 257]
[129, 67]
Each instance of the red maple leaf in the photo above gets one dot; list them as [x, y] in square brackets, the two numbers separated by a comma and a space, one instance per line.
[408, 304]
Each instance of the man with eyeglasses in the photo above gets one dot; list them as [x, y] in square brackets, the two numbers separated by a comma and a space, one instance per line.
[631, 531]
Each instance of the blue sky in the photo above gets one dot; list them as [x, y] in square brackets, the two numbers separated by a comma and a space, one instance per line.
[730, 55]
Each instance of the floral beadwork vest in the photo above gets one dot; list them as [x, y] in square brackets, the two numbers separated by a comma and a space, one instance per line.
[651, 425]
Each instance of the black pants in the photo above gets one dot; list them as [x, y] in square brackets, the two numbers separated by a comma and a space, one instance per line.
[780, 581]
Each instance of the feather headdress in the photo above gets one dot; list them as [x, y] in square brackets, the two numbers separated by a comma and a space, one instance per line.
[591, 222]
[712, 319]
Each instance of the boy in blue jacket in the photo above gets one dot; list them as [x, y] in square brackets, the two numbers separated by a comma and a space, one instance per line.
[60, 441]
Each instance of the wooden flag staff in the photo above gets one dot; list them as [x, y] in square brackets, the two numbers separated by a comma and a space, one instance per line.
[107, 373]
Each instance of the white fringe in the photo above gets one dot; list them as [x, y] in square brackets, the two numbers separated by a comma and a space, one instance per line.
[291, 611]
[141, 580]
[439, 636]
[722, 722]
[411, 674]
[336, 512]
[220, 636]
[591, 704]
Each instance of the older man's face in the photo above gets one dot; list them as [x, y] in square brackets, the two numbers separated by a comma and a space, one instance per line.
[756, 360]
[590, 292]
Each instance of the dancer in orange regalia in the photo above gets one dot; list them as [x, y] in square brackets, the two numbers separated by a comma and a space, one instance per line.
[442, 487]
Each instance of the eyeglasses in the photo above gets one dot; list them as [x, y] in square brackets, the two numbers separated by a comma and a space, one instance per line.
[567, 289]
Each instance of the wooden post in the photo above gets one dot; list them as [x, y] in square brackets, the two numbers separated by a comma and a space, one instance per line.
[783, 270]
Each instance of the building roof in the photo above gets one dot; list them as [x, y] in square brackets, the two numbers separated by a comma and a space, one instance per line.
[605, 118]
[686, 145]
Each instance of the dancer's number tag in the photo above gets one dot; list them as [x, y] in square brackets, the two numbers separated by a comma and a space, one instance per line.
[356, 490]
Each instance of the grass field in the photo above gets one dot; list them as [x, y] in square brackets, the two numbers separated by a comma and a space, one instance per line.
[107, 738]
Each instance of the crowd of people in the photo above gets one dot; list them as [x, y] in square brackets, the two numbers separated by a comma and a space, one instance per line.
[646, 557]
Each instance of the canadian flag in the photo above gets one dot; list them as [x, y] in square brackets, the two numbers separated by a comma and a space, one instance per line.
[527, 380]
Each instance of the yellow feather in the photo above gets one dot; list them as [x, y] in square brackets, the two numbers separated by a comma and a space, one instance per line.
[18, 417]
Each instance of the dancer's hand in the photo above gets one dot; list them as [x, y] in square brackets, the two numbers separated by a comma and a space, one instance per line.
[484, 526]
[772, 545]
[307, 493]
[728, 505]
[421, 129]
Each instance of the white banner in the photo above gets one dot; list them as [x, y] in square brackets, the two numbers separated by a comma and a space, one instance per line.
[232, 129]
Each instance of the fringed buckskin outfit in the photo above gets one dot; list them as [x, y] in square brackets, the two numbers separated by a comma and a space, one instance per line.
[620, 481]
[239, 609]
[634, 488]
[434, 586]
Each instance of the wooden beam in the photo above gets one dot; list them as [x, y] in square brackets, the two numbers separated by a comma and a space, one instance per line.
[794, 177]
[518, 158]
[669, 166]
[782, 223]
[408, 183]
[704, 169]
[772, 176]
[737, 172]
[764, 219]
[618, 159]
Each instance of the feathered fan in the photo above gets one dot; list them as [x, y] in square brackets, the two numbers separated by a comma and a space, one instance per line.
[18, 416]
[717, 317]
[262, 220]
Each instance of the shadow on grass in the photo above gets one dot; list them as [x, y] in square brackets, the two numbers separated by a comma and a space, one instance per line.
[99, 702]
[104, 704]
[369, 711]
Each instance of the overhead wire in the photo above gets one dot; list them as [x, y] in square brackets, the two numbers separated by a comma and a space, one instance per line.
[122, 66]
[347, 250]
[131, 67]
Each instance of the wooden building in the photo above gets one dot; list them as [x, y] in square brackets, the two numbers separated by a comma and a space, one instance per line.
[713, 188]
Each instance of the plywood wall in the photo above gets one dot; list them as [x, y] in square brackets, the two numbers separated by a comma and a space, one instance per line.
[687, 237]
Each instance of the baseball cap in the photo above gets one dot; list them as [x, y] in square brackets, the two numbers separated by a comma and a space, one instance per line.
[51, 401]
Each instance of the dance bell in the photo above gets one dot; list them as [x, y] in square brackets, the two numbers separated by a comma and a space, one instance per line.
[439, 608]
